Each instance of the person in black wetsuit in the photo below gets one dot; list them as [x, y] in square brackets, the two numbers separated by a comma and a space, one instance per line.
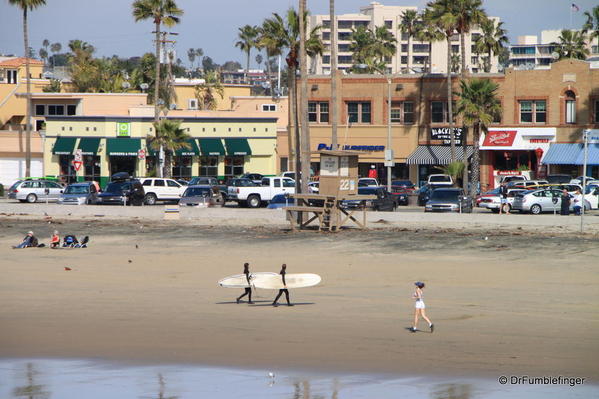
[565, 205]
[284, 289]
[248, 290]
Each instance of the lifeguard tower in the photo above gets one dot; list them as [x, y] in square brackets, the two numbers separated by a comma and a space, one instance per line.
[338, 183]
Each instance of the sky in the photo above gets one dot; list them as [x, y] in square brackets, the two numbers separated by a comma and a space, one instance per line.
[213, 25]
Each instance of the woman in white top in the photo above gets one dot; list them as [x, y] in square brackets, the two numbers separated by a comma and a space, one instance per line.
[419, 308]
[577, 202]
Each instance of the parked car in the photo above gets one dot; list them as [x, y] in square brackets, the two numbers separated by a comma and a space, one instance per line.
[578, 180]
[384, 201]
[241, 182]
[122, 190]
[35, 190]
[255, 177]
[440, 180]
[280, 201]
[201, 195]
[158, 189]
[79, 194]
[400, 194]
[254, 197]
[493, 202]
[210, 181]
[543, 200]
[511, 178]
[183, 182]
[526, 184]
[368, 182]
[406, 185]
[558, 179]
[425, 191]
[449, 200]
[490, 193]
[314, 186]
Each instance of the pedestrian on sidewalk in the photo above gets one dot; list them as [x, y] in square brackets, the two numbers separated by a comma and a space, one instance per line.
[577, 197]
[419, 308]
[503, 206]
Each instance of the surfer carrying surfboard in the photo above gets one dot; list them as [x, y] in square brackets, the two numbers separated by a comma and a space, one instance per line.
[248, 289]
[419, 308]
[284, 289]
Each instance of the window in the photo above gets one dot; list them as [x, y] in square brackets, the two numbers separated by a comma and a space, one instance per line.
[404, 59]
[570, 107]
[55, 109]
[389, 24]
[402, 112]
[326, 35]
[420, 59]
[326, 23]
[326, 59]
[276, 182]
[159, 183]
[288, 183]
[404, 48]
[523, 50]
[234, 165]
[147, 183]
[208, 166]
[344, 35]
[343, 48]
[533, 111]
[192, 103]
[40, 110]
[11, 76]
[420, 48]
[358, 112]
[269, 107]
[455, 48]
[344, 59]
[344, 24]
[439, 112]
[172, 184]
[596, 111]
[71, 110]
[318, 111]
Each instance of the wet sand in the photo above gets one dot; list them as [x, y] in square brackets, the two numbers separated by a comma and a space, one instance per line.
[516, 303]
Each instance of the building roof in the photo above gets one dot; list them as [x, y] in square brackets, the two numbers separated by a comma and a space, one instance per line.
[18, 61]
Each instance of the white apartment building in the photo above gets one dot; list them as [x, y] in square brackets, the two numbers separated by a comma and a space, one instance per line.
[530, 52]
[376, 14]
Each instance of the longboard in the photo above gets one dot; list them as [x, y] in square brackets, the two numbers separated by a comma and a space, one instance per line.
[240, 281]
[293, 280]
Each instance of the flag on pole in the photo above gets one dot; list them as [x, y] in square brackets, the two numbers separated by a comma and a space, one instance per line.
[575, 8]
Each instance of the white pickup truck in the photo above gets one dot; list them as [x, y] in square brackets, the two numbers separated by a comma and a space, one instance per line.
[254, 197]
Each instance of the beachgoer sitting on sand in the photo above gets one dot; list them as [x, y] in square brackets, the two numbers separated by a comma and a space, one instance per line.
[55, 240]
[69, 241]
[28, 242]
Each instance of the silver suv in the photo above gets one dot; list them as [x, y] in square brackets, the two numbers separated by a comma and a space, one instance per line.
[35, 190]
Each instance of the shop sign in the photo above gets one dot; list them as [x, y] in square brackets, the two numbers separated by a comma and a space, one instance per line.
[141, 154]
[123, 129]
[539, 141]
[370, 148]
[500, 138]
[509, 173]
[592, 136]
[442, 133]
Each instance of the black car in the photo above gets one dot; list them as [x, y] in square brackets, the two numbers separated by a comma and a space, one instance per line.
[383, 201]
[425, 191]
[448, 200]
[122, 190]
[241, 182]
[255, 177]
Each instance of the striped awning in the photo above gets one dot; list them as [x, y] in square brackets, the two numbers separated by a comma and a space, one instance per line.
[436, 154]
[571, 154]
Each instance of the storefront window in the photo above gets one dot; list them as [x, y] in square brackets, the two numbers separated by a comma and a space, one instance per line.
[234, 166]
[91, 166]
[209, 166]
[123, 164]
[67, 171]
[182, 167]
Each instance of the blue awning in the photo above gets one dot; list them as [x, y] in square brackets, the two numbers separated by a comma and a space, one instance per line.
[571, 154]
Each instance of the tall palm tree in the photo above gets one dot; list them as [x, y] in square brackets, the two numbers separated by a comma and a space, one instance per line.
[161, 12]
[55, 49]
[492, 40]
[409, 25]
[248, 36]
[591, 26]
[441, 13]
[468, 14]
[27, 5]
[305, 154]
[280, 34]
[170, 138]
[572, 44]
[478, 105]
[430, 33]
[372, 48]
[191, 55]
[333, 46]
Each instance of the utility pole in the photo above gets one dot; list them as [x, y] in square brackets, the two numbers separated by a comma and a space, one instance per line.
[334, 114]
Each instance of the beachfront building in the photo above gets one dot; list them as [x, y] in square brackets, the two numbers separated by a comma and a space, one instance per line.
[219, 147]
[376, 14]
[544, 114]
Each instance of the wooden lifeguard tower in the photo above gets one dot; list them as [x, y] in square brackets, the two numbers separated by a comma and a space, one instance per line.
[338, 183]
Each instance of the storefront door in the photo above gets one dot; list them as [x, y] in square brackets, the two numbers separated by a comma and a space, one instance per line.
[91, 165]
[67, 171]
[209, 166]
[233, 166]
[182, 167]
[123, 164]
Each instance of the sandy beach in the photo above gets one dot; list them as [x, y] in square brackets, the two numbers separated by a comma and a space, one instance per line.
[516, 303]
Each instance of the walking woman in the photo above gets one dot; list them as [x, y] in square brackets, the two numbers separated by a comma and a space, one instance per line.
[248, 289]
[419, 308]
[284, 289]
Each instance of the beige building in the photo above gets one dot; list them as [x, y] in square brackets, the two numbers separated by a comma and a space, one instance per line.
[376, 14]
[185, 90]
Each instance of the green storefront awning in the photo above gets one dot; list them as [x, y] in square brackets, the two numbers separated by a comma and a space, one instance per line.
[64, 146]
[238, 147]
[123, 147]
[212, 147]
[89, 146]
[192, 150]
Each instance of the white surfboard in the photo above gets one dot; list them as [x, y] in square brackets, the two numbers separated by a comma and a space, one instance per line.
[293, 280]
[239, 280]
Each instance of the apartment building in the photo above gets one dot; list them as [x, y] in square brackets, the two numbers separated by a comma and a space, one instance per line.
[376, 14]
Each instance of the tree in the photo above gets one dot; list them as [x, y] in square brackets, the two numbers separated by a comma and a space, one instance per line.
[27, 5]
[572, 44]
[231, 66]
[247, 35]
[191, 55]
[161, 12]
[591, 26]
[206, 92]
[43, 53]
[334, 110]
[84, 70]
[478, 104]
[259, 59]
[169, 138]
[371, 49]
[55, 49]
[208, 64]
[428, 32]
[468, 13]
[492, 41]
[409, 26]
[53, 87]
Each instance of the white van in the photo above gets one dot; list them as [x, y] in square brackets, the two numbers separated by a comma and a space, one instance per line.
[440, 180]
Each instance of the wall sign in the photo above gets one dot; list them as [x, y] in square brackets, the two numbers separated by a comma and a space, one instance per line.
[500, 138]
[442, 133]
[371, 148]
[123, 129]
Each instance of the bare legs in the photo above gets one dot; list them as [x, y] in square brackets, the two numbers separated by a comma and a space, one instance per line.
[421, 312]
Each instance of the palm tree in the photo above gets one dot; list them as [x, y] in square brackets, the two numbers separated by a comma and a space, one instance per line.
[27, 5]
[170, 138]
[43, 54]
[280, 34]
[191, 55]
[372, 49]
[478, 105]
[206, 92]
[161, 12]
[248, 36]
[409, 25]
[468, 13]
[572, 44]
[492, 40]
[55, 49]
[591, 26]
[441, 13]
[430, 33]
